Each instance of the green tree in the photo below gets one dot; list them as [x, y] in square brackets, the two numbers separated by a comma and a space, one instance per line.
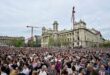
[51, 42]
[63, 41]
[31, 43]
[60, 41]
[38, 43]
[57, 42]
[105, 44]
[17, 42]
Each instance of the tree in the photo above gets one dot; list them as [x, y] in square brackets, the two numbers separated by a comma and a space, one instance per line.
[60, 41]
[17, 42]
[51, 42]
[105, 44]
[63, 41]
[38, 43]
[31, 43]
[57, 42]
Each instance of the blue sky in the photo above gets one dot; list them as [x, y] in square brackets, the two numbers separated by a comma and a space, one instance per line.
[15, 15]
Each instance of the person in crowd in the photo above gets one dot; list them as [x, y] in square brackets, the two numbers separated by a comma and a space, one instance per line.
[108, 69]
[102, 70]
[54, 61]
[64, 72]
[14, 70]
[74, 72]
[81, 71]
[43, 71]
[3, 69]
[52, 70]
[25, 69]
[34, 73]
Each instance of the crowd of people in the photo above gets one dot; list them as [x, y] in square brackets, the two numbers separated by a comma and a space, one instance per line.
[54, 61]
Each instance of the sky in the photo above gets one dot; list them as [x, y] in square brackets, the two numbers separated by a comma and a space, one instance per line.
[15, 15]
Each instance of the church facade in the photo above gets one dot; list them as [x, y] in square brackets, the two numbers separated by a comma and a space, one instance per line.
[79, 36]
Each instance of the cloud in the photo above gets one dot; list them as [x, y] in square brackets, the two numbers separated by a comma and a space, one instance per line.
[15, 15]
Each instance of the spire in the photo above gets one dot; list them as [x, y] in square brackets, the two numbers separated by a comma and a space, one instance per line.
[73, 16]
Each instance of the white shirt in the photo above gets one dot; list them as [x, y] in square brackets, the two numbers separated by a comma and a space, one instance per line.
[3, 73]
[26, 71]
[69, 70]
[42, 73]
[34, 65]
[77, 67]
[10, 66]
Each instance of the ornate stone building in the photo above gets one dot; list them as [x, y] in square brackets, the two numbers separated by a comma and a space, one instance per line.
[79, 36]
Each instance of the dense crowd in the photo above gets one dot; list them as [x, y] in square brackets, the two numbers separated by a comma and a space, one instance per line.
[54, 61]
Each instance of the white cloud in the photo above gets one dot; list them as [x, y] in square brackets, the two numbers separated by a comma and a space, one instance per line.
[16, 14]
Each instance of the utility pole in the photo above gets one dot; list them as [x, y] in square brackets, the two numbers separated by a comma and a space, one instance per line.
[32, 30]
